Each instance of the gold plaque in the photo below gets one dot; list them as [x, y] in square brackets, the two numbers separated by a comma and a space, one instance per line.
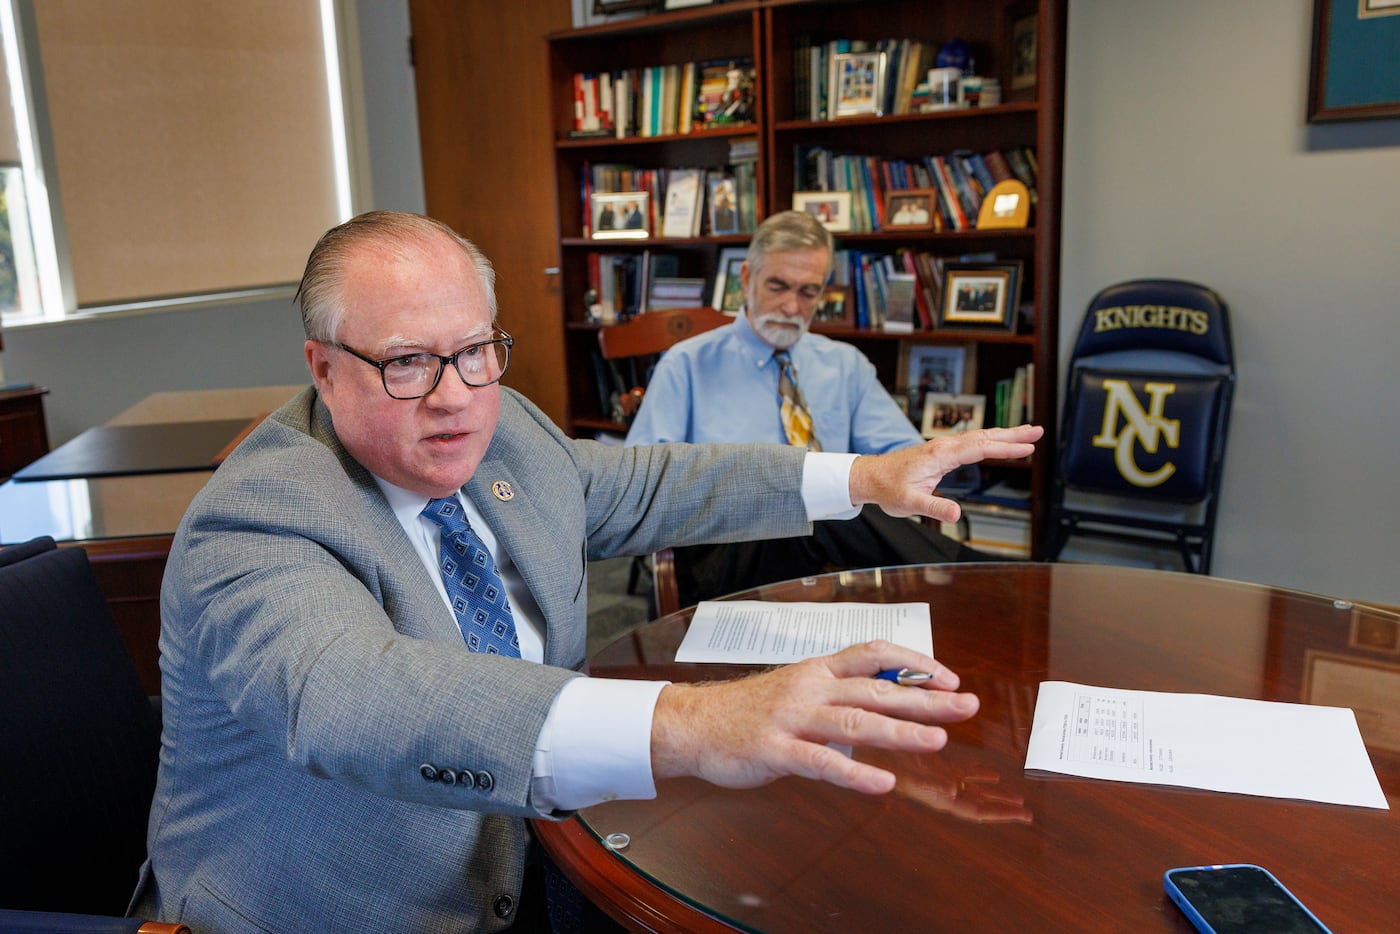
[1008, 204]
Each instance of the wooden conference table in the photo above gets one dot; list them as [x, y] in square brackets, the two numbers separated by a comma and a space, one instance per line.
[970, 841]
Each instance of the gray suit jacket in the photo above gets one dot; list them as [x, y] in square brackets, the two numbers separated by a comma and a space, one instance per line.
[312, 676]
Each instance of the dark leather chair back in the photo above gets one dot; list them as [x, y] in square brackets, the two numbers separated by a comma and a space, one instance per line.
[80, 737]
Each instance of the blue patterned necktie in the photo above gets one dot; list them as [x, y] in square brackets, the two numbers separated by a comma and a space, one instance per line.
[473, 587]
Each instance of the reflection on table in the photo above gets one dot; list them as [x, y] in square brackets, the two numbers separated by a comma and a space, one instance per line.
[970, 841]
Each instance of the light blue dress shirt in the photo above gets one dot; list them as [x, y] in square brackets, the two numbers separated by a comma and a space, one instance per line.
[723, 386]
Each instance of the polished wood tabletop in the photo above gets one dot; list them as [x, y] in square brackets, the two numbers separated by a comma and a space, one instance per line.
[971, 841]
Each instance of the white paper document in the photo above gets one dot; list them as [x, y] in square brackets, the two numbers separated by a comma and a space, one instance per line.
[752, 632]
[1231, 744]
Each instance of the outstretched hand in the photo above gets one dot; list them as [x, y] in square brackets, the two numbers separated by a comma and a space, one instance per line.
[746, 733]
[902, 482]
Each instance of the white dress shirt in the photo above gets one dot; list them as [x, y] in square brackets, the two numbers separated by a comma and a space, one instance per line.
[596, 742]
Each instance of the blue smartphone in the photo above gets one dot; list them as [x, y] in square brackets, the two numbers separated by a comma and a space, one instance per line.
[1238, 899]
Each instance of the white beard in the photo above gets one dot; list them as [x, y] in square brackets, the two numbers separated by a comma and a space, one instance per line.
[780, 330]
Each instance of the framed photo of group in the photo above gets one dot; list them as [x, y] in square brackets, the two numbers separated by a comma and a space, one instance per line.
[981, 295]
[934, 368]
[619, 215]
[909, 209]
[952, 413]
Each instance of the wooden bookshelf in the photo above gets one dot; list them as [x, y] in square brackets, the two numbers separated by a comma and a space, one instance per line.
[767, 31]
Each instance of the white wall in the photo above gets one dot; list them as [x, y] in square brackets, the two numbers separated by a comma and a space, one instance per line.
[1187, 155]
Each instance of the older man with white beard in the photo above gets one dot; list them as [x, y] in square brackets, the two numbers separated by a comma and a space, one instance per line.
[764, 378]
[724, 385]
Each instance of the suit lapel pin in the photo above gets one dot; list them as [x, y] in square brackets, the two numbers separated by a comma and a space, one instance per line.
[502, 491]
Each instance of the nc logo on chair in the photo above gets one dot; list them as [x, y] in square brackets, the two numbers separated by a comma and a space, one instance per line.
[1147, 428]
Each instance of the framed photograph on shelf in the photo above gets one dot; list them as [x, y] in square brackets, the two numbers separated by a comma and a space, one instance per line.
[909, 209]
[929, 368]
[832, 208]
[1023, 52]
[1355, 71]
[619, 215]
[857, 83]
[948, 413]
[980, 295]
[729, 287]
[835, 309]
[724, 204]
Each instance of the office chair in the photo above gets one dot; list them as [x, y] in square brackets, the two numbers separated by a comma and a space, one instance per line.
[81, 741]
[1147, 406]
[639, 342]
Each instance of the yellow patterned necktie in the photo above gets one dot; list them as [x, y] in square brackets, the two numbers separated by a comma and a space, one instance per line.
[797, 420]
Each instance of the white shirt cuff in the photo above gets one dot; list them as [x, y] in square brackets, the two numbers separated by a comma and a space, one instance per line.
[826, 486]
[596, 744]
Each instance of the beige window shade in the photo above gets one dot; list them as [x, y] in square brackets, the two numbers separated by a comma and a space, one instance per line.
[192, 140]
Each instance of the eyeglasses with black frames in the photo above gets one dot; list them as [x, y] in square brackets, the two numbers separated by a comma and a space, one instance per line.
[415, 375]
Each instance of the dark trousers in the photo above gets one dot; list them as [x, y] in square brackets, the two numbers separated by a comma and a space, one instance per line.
[551, 904]
[872, 539]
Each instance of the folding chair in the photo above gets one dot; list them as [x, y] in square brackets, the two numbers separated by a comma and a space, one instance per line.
[1147, 405]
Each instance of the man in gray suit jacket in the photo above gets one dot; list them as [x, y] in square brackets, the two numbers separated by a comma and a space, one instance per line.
[334, 758]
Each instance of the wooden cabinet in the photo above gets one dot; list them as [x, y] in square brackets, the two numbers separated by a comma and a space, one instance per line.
[771, 33]
[24, 435]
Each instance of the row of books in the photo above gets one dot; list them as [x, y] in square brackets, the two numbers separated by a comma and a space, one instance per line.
[620, 283]
[995, 530]
[961, 179]
[1015, 398]
[663, 100]
[678, 202]
[816, 84]
[898, 291]
[996, 518]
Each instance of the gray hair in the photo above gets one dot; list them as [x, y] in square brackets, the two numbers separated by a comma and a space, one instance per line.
[402, 233]
[788, 230]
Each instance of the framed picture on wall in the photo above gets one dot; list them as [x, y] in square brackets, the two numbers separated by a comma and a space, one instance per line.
[1355, 69]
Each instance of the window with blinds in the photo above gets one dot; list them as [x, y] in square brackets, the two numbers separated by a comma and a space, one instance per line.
[191, 146]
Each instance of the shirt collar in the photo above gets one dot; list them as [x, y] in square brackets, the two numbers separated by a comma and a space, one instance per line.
[405, 503]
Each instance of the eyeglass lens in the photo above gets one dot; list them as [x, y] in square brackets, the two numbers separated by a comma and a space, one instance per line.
[415, 375]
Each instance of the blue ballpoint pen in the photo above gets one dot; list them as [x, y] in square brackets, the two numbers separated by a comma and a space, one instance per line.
[905, 676]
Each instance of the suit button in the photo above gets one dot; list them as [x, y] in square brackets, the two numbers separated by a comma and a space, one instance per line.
[503, 906]
[485, 781]
[465, 778]
[428, 772]
[447, 776]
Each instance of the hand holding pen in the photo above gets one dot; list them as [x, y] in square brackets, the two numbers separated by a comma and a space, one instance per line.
[905, 676]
